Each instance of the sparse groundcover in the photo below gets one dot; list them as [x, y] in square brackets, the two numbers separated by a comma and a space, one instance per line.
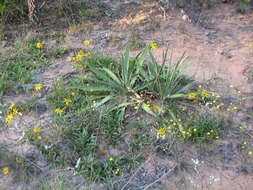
[113, 113]
[127, 123]
[25, 57]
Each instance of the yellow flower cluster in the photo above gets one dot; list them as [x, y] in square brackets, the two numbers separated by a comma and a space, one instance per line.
[36, 129]
[80, 54]
[153, 45]
[58, 110]
[117, 171]
[5, 171]
[86, 43]
[204, 94]
[110, 158]
[161, 132]
[155, 107]
[40, 45]
[12, 111]
[67, 101]
[192, 95]
[37, 87]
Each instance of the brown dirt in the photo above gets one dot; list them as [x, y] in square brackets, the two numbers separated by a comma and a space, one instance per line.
[224, 51]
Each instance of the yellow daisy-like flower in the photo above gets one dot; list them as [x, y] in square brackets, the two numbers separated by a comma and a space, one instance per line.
[117, 171]
[5, 171]
[155, 107]
[11, 106]
[71, 58]
[67, 101]
[192, 95]
[153, 45]
[86, 43]
[39, 137]
[9, 118]
[204, 93]
[40, 45]
[245, 142]
[58, 110]
[231, 86]
[161, 131]
[250, 153]
[235, 108]
[36, 129]
[110, 159]
[80, 55]
[194, 129]
[37, 87]
[15, 111]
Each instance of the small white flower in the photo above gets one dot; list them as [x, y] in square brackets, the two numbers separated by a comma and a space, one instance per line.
[78, 163]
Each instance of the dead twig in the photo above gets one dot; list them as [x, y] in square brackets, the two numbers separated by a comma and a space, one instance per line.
[132, 176]
[165, 174]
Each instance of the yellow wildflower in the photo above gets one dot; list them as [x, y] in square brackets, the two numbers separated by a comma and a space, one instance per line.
[192, 95]
[235, 108]
[80, 55]
[15, 111]
[36, 129]
[155, 107]
[58, 110]
[37, 87]
[208, 133]
[39, 137]
[86, 43]
[71, 58]
[117, 171]
[5, 171]
[245, 142]
[67, 101]
[204, 93]
[9, 118]
[110, 159]
[40, 45]
[161, 131]
[250, 153]
[11, 106]
[153, 45]
[194, 129]
[231, 86]
[136, 107]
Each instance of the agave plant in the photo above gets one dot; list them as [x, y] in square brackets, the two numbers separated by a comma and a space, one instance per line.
[115, 84]
[166, 81]
[118, 85]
